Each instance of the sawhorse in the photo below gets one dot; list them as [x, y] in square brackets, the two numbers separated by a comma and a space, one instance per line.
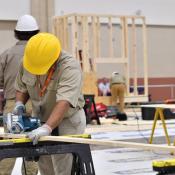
[89, 101]
[159, 108]
[82, 164]
[159, 113]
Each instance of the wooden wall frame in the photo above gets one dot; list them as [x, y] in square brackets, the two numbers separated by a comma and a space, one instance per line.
[80, 34]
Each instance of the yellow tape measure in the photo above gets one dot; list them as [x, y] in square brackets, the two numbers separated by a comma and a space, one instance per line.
[21, 140]
[25, 140]
[86, 136]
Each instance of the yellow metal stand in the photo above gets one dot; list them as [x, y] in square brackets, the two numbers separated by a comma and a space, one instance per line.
[159, 113]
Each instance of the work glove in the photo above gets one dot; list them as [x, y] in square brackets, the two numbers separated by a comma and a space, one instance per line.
[19, 108]
[34, 135]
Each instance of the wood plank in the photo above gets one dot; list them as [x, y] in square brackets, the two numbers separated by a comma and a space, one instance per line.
[73, 34]
[109, 143]
[65, 28]
[126, 54]
[10, 135]
[94, 37]
[90, 83]
[98, 44]
[128, 99]
[85, 39]
[103, 15]
[94, 42]
[145, 57]
[134, 55]
[165, 106]
[110, 28]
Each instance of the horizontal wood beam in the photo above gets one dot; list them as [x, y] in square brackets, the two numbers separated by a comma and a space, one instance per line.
[110, 143]
[103, 15]
[128, 99]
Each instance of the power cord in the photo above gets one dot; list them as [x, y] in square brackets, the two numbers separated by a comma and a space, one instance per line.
[138, 126]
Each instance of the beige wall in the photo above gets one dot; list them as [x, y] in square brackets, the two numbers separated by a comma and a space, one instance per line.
[7, 38]
[161, 50]
[12, 9]
[43, 10]
[156, 11]
[161, 54]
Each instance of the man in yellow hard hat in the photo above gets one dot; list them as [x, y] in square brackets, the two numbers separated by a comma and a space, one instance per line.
[10, 59]
[52, 79]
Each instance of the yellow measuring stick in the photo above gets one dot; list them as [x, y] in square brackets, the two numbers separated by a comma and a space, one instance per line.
[21, 140]
[88, 136]
[24, 139]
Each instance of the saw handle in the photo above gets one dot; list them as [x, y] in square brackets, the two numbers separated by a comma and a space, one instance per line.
[20, 110]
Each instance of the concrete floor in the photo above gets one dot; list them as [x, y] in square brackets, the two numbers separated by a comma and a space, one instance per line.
[120, 161]
[125, 161]
[128, 161]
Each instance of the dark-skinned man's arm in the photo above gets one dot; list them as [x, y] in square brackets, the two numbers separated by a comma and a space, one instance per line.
[22, 97]
[57, 114]
[53, 121]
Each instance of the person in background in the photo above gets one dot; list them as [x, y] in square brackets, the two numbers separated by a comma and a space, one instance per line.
[117, 85]
[52, 79]
[10, 59]
[104, 87]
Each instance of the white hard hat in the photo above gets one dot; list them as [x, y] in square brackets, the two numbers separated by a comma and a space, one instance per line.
[116, 72]
[26, 23]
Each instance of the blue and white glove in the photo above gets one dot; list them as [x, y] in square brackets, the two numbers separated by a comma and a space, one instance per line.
[19, 108]
[34, 135]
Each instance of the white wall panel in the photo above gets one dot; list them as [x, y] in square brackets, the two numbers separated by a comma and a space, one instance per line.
[159, 12]
[12, 9]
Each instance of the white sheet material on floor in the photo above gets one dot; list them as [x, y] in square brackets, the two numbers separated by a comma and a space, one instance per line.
[17, 168]
[125, 161]
[123, 135]
[119, 161]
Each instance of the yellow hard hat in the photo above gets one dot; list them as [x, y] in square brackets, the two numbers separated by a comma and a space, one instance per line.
[41, 51]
